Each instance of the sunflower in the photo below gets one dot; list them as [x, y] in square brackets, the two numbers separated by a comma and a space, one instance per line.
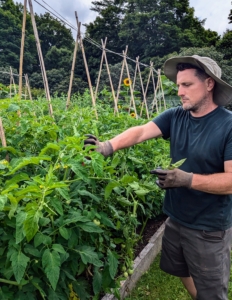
[133, 115]
[127, 82]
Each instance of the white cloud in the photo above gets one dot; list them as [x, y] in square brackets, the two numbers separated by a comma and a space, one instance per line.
[215, 12]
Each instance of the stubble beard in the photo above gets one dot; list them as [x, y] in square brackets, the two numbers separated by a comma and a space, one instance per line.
[197, 106]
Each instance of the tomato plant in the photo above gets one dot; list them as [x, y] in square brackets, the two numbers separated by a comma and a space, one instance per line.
[68, 216]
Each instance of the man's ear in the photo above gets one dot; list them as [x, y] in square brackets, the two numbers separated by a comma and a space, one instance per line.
[210, 84]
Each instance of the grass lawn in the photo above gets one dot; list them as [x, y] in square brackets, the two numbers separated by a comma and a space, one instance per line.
[157, 285]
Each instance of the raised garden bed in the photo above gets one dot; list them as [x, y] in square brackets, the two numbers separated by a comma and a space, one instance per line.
[144, 258]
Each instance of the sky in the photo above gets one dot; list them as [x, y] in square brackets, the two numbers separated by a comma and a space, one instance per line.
[215, 12]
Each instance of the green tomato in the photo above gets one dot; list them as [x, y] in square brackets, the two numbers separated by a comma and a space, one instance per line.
[123, 268]
[130, 271]
[125, 274]
[97, 222]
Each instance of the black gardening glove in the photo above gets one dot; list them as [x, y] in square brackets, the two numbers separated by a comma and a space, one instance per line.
[105, 148]
[173, 178]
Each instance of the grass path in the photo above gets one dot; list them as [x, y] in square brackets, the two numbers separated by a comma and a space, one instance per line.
[157, 285]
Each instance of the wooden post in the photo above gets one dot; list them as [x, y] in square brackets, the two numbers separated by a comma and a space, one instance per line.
[149, 77]
[3, 139]
[111, 84]
[86, 68]
[120, 79]
[73, 68]
[144, 96]
[131, 89]
[155, 89]
[28, 86]
[22, 48]
[43, 70]
[12, 80]
[99, 73]
[161, 86]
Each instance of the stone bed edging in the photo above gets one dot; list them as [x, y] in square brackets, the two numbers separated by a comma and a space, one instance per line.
[141, 264]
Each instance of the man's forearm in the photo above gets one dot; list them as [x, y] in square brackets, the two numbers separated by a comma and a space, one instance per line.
[220, 183]
[128, 138]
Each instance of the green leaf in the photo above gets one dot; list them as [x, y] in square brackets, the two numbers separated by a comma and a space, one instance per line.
[113, 263]
[97, 161]
[136, 160]
[48, 147]
[57, 205]
[106, 221]
[128, 179]
[22, 162]
[88, 194]
[90, 227]
[109, 188]
[20, 218]
[32, 219]
[17, 178]
[3, 200]
[97, 281]
[10, 188]
[80, 171]
[58, 248]
[88, 255]
[64, 193]
[41, 238]
[51, 265]
[64, 232]
[19, 264]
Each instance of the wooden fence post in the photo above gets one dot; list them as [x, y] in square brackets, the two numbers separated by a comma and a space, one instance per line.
[131, 89]
[108, 71]
[86, 68]
[73, 68]
[22, 48]
[44, 75]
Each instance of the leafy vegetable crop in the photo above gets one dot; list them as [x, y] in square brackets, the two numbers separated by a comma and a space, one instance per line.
[69, 217]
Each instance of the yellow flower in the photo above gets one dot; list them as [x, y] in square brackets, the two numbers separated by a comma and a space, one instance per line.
[119, 106]
[127, 82]
[133, 115]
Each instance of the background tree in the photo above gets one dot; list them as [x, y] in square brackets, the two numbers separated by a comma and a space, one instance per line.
[230, 17]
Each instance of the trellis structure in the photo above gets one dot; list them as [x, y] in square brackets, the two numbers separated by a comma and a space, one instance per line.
[156, 87]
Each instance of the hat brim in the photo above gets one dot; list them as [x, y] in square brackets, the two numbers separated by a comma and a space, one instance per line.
[222, 91]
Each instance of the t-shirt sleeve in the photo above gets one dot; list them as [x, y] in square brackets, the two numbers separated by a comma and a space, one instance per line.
[163, 121]
[228, 147]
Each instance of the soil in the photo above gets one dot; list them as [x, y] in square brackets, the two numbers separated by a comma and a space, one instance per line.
[152, 226]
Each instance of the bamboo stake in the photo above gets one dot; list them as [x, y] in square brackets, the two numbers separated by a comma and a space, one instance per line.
[28, 86]
[148, 81]
[161, 86]
[155, 99]
[3, 139]
[86, 68]
[22, 48]
[131, 90]
[136, 67]
[99, 73]
[12, 79]
[72, 70]
[144, 96]
[43, 70]
[120, 79]
[111, 84]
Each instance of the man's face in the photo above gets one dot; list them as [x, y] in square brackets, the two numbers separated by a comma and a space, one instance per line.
[194, 93]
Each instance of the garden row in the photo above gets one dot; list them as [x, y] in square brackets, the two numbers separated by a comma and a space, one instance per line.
[69, 217]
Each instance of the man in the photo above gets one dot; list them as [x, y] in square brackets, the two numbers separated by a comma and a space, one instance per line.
[198, 234]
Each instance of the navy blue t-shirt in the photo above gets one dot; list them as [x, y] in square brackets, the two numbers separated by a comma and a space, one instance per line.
[205, 142]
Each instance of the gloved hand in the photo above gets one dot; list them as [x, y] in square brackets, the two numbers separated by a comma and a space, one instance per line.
[173, 178]
[105, 148]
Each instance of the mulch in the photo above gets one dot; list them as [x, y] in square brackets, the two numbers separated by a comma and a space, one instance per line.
[152, 226]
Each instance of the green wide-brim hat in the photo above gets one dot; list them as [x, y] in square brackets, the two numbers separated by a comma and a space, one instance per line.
[222, 91]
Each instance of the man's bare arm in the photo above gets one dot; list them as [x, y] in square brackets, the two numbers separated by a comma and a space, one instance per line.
[135, 135]
[219, 183]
